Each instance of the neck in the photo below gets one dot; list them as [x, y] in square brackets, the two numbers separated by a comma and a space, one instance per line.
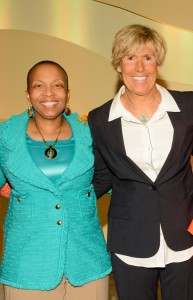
[139, 101]
[48, 126]
[142, 111]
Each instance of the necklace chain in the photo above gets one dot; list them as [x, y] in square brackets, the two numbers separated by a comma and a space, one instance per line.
[143, 118]
[50, 152]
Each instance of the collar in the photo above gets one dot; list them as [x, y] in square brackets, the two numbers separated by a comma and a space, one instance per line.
[167, 104]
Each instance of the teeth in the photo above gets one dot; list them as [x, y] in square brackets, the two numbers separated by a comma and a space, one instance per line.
[49, 103]
[139, 78]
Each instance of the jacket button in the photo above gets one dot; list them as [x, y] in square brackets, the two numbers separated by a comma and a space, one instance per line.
[88, 194]
[152, 187]
[57, 206]
[59, 222]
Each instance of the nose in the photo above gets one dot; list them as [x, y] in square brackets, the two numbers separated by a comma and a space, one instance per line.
[48, 90]
[140, 65]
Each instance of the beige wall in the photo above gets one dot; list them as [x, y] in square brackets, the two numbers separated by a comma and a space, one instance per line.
[177, 13]
[78, 34]
[88, 72]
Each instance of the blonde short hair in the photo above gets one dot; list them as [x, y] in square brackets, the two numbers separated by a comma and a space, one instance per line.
[133, 38]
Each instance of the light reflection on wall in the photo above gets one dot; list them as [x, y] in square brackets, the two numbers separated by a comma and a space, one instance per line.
[92, 25]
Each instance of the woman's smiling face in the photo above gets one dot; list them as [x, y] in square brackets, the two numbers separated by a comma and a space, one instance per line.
[47, 91]
[139, 70]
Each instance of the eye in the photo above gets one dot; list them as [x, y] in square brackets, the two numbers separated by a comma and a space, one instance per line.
[149, 58]
[37, 85]
[131, 57]
[58, 85]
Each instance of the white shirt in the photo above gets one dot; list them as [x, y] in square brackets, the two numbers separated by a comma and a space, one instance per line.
[148, 146]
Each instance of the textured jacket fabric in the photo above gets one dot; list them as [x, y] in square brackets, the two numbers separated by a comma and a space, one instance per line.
[39, 250]
[138, 205]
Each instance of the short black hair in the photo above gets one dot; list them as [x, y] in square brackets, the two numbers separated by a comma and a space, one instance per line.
[46, 62]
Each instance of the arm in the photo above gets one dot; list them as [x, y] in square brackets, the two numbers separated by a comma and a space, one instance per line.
[5, 191]
[4, 187]
[102, 180]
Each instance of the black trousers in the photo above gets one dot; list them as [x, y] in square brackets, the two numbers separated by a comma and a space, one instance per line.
[138, 283]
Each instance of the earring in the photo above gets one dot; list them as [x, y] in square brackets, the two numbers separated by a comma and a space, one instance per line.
[67, 110]
[30, 111]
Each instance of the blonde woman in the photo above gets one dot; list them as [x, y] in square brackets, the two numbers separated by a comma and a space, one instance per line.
[143, 141]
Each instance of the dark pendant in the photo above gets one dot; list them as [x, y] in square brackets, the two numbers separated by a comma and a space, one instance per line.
[50, 153]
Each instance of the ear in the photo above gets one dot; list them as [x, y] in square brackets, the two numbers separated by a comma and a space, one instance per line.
[119, 69]
[27, 94]
[68, 95]
[28, 97]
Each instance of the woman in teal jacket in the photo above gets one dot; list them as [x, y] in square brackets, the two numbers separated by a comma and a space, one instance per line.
[53, 241]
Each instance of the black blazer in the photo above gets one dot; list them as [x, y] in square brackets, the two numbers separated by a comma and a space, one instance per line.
[138, 205]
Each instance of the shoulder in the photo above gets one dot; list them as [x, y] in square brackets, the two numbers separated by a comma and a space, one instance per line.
[77, 120]
[13, 120]
[79, 124]
[183, 99]
[103, 108]
[101, 111]
[182, 96]
[12, 128]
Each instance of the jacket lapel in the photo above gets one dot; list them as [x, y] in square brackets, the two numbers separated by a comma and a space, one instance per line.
[83, 158]
[179, 133]
[124, 163]
[19, 162]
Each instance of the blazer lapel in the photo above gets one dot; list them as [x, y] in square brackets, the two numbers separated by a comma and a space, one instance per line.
[19, 161]
[83, 158]
[116, 142]
[179, 132]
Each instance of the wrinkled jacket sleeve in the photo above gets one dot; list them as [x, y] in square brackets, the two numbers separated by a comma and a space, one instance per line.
[102, 180]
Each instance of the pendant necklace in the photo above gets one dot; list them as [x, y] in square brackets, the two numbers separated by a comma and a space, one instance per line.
[143, 118]
[50, 152]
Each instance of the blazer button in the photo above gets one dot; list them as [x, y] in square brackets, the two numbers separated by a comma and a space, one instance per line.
[59, 222]
[152, 187]
[57, 206]
[88, 194]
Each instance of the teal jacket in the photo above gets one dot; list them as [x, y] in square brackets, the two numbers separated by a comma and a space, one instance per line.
[39, 250]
